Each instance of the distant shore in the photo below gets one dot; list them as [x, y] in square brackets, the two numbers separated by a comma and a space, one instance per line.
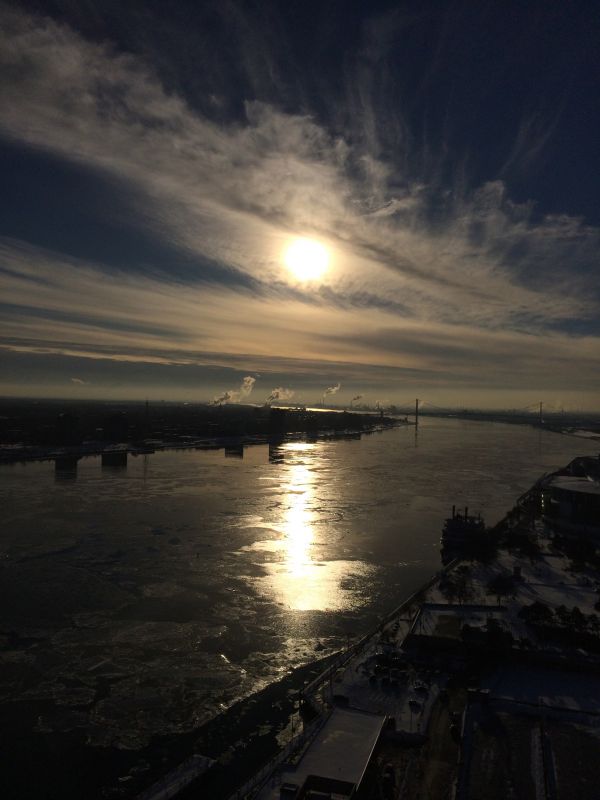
[51, 431]
[584, 426]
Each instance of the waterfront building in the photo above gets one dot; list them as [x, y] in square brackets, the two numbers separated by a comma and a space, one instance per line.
[334, 763]
[572, 497]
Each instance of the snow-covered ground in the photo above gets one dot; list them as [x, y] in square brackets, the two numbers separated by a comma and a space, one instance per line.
[546, 688]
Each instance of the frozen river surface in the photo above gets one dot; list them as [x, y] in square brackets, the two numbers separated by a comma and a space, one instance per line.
[144, 600]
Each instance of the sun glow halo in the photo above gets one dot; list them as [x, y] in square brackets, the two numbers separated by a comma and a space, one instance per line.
[307, 259]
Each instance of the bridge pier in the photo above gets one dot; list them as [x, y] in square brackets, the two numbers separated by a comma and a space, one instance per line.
[114, 458]
[66, 464]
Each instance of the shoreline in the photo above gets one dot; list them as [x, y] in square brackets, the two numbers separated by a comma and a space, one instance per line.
[34, 453]
[569, 426]
[272, 707]
[260, 709]
[484, 678]
[248, 733]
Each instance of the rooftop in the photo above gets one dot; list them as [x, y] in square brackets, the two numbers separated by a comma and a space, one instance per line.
[341, 750]
[572, 483]
[446, 620]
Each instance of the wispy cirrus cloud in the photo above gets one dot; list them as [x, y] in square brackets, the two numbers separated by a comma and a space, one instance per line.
[412, 263]
[72, 307]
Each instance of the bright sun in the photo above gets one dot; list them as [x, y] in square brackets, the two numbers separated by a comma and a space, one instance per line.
[307, 259]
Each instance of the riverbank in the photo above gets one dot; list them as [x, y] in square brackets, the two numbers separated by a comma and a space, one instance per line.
[49, 430]
[256, 730]
[461, 689]
[249, 733]
[67, 457]
[581, 425]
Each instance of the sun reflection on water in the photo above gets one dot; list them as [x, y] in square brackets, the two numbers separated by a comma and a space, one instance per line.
[303, 579]
[297, 523]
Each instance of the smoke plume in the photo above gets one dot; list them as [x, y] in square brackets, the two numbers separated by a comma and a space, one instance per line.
[332, 389]
[280, 394]
[236, 395]
[358, 397]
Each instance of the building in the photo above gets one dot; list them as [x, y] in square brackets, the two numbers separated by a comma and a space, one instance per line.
[334, 764]
[572, 503]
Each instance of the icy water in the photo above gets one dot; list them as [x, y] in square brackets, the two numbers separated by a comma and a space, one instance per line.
[144, 600]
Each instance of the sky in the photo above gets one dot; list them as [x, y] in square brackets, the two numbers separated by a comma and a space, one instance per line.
[158, 159]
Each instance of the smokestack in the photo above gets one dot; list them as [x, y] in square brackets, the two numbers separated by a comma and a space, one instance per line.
[235, 396]
[280, 394]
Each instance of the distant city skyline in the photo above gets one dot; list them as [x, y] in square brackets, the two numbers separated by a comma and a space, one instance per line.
[398, 200]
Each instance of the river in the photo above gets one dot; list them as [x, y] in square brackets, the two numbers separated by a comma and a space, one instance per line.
[144, 600]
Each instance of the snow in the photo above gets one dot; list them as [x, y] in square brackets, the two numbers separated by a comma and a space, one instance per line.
[545, 688]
